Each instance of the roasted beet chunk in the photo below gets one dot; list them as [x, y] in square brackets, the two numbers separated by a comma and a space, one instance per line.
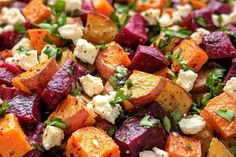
[9, 39]
[199, 18]
[232, 71]
[133, 34]
[133, 137]
[7, 93]
[218, 45]
[26, 108]
[219, 7]
[61, 83]
[148, 59]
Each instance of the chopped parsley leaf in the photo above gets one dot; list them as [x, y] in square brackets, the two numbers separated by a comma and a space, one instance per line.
[147, 122]
[57, 122]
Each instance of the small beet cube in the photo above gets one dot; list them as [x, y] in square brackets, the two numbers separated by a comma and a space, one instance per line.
[218, 45]
[133, 34]
[33, 153]
[148, 59]
[232, 71]
[9, 39]
[219, 7]
[61, 83]
[190, 22]
[133, 138]
[6, 77]
[26, 108]
[7, 93]
[10, 67]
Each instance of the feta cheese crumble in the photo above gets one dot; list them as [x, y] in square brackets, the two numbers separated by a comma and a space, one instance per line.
[91, 85]
[230, 87]
[151, 16]
[71, 31]
[186, 79]
[192, 124]
[199, 34]
[156, 152]
[12, 16]
[73, 5]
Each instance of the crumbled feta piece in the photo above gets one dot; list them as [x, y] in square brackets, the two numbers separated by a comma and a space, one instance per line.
[184, 10]
[226, 19]
[71, 31]
[43, 57]
[199, 34]
[73, 5]
[233, 17]
[176, 17]
[12, 16]
[91, 85]
[85, 51]
[8, 28]
[192, 124]
[101, 106]
[151, 16]
[155, 153]
[230, 87]
[24, 43]
[52, 2]
[52, 136]
[165, 20]
[25, 60]
[186, 79]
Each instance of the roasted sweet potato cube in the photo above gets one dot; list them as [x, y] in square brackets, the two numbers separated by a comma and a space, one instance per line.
[180, 146]
[192, 54]
[217, 149]
[36, 11]
[13, 142]
[225, 128]
[73, 113]
[91, 142]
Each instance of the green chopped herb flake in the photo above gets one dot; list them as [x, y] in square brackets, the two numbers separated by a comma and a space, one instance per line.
[20, 28]
[177, 115]
[166, 123]
[70, 69]
[226, 114]
[183, 33]
[189, 147]
[233, 150]
[129, 84]
[4, 107]
[147, 122]
[57, 122]
[101, 46]
[76, 89]
[123, 138]
[172, 75]
[53, 52]
[111, 131]
[120, 97]
[201, 21]
[37, 147]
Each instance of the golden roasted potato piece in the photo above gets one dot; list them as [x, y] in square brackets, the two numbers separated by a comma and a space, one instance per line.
[174, 96]
[146, 87]
[99, 29]
[217, 149]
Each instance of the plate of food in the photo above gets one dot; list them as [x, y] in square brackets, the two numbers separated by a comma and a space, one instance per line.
[118, 78]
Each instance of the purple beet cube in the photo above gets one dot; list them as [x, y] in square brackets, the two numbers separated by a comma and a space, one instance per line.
[132, 138]
[61, 83]
[218, 45]
[232, 71]
[9, 39]
[6, 77]
[190, 22]
[26, 107]
[33, 153]
[133, 34]
[148, 59]
[219, 7]
[7, 93]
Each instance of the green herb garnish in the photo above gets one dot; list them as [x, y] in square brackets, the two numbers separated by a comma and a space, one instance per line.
[189, 147]
[120, 97]
[101, 46]
[57, 122]
[147, 122]
[226, 114]
[166, 123]
[129, 84]
[37, 147]
[183, 33]
[53, 52]
[20, 28]
[172, 75]
[69, 69]
[201, 21]
[123, 138]
[4, 107]
[233, 150]
[119, 77]
[111, 131]
[177, 115]
[76, 89]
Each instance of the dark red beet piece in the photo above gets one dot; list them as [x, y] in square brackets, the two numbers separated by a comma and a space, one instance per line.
[232, 71]
[6, 77]
[9, 39]
[18, 5]
[133, 138]
[218, 45]
[7, 93]
[190, 21]
[33, 153]
[10, 67]
[60, 84]
[148, 59]
[26, 107]
[133, 34]
[219, 7]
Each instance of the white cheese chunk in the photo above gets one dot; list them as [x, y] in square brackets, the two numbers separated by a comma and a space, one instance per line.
[165, 20]
[73, 5]
[71, 31]
[91, 85]
[12, 16]
[176, 18]
[101, 106]
[156, 152]
[199, 34]
[151, 16]
[52, 136]
[8, 28]
[85, 51]
[184, 10]
[230, 87]
[192, 124]
[225, 19]
[160, 152]
[24, 43]
[186, 79]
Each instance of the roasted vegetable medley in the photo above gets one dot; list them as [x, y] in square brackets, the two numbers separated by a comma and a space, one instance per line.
[118, 78]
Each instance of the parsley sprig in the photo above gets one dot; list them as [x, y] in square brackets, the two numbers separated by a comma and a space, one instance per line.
[4, 107]
[57, 122]
[228, 115]
[146, 121]
[119, 78]
[120, 97]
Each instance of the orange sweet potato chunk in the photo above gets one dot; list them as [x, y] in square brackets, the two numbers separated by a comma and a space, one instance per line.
[13, 141]
[91, 142]
[73, 113]
[36, 11]
[192, 54]
[180, 146]
[221, 125]
[103, 7]
[150, 4]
